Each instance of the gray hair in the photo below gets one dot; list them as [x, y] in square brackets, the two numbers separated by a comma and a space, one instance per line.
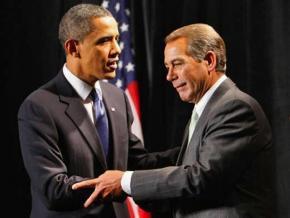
[201, 39]
[76, 23]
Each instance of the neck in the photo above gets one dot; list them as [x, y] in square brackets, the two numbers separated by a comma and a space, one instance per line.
[213, 78]
[76, 69]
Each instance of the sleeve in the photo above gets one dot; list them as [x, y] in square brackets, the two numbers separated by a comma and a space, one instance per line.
[43, 159]
[227, 145]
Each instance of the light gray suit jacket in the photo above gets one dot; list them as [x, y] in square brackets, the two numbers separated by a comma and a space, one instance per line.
[226, 170]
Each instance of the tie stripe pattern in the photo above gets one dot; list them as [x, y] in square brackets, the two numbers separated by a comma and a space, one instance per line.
[101, 120]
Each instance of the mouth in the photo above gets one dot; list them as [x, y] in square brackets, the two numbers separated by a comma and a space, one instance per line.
[179, 86]
[112, 64]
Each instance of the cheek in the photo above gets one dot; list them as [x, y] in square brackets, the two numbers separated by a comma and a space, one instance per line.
[194, 73]
[192, 88]
[191, 78]
[188, 74]
[99, 59]
[102, 58]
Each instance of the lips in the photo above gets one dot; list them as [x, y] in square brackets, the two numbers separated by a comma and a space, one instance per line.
[113, 64]
[179, 85]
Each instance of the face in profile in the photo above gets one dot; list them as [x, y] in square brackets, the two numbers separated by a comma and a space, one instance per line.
[188, 76]
[99, 50]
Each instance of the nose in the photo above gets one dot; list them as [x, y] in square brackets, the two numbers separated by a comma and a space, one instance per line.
[170, 75]
[116, 48]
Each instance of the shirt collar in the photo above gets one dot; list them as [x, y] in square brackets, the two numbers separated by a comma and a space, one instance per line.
[82, 88]
[199, 107]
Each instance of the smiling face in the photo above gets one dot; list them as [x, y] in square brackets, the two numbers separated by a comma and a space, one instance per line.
[189, 77]
[99, 51]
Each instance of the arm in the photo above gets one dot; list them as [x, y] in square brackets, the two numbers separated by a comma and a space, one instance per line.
[43, 158]
[229, 144]
[226, 148]
[108, 185]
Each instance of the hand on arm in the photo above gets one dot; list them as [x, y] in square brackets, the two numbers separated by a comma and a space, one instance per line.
[107, 187]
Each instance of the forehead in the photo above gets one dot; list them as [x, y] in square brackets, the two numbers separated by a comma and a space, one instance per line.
[174, 49]
[105, 25]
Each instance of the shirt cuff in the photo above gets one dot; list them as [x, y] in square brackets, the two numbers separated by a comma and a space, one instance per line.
[126, 182]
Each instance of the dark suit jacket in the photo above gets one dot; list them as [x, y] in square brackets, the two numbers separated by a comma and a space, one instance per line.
[226, 170]
[60, 146]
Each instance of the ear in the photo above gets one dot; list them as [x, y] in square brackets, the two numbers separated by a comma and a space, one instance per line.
[211, 60]
[72, 47]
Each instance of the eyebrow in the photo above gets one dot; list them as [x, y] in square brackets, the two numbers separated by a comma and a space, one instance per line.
[177, 59]
[174, 60]
[106, 38]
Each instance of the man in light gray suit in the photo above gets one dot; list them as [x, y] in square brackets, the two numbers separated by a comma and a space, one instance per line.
[224, 168]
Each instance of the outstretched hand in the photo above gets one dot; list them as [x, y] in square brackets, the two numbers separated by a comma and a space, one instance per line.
[107, 187]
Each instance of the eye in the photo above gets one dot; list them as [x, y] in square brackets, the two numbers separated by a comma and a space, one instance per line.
[177, 64]
[103, 40]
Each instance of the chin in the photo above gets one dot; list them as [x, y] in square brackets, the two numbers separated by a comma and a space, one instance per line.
[182, 95]
[110, 75]
[183, 98]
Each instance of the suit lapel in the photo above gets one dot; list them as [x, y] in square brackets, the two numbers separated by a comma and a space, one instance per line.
[202, 121]
[217, 95]
[184, 144]
[79, 116]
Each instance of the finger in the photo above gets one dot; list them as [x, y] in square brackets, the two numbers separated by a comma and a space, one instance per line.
[92, 198]
[84, 184]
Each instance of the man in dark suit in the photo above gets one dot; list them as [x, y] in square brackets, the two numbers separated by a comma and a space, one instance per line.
[224, 168]
[57, 123]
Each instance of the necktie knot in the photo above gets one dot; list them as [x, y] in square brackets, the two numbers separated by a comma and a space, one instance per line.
[98, 103]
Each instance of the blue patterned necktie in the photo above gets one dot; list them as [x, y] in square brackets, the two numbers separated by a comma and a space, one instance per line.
[101, 120]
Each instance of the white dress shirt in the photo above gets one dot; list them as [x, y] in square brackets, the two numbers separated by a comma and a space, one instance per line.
[83, 90]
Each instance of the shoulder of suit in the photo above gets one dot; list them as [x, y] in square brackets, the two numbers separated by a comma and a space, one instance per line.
[45, 90]
[110, 87]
